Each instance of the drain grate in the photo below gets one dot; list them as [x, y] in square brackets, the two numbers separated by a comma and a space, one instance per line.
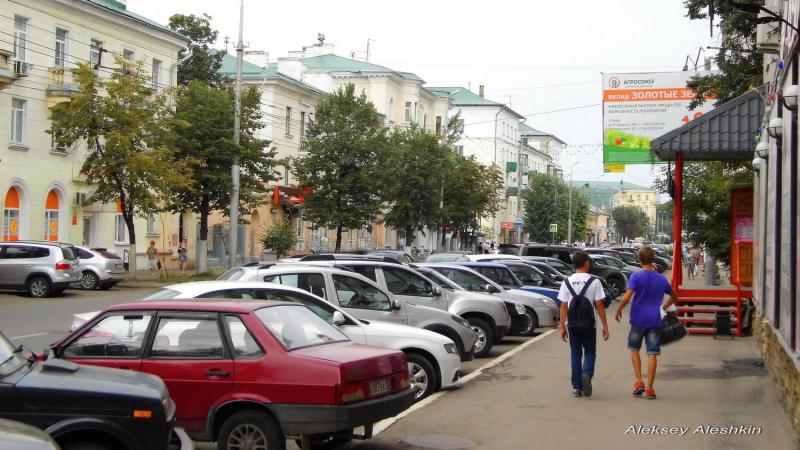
[438, 442]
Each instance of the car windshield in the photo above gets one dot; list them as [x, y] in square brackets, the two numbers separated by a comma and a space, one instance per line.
[297, 327]
[465, 278]
[162, 294]
[9, 359]
[526, 274]
[69, 252]
[561, 267]
[441, 280]
[232, 274]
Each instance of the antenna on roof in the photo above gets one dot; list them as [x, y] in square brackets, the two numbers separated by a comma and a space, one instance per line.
[227, 40]
[321, 38]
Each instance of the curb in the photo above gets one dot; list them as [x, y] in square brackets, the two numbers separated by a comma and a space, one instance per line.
[383, 425]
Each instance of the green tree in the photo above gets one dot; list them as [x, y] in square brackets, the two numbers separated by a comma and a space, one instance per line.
[630, 222]
[471, 193]
[546, 202]
[205, 138]
[202, 62]
[280, 238]
[664, 214]
[425, 161]
[130, 137]
[740, 63]
[346, 163]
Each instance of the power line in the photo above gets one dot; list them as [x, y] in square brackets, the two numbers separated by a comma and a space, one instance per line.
[545, 86]
[495, 66]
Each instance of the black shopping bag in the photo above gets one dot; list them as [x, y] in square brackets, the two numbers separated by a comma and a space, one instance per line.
[672, 329]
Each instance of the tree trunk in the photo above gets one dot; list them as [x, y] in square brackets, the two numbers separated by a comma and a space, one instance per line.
[338, 239]
[128, 217]
[202, 248]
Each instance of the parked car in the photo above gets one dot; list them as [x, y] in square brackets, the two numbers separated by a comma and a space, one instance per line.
[432, 358]
[100, 269]
[562, 252]
[40, 268]
[565, 269]
[400, 255]
[86, 407]
[362, 298]
[487, 316]
[260, 371]
[448, 257]
[626, 269]
[544, 312]
[551, 274]
[530, 275]
[492, 257]
[505, 277]
[19, 436]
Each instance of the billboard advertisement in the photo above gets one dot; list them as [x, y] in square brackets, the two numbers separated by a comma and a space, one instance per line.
[638, 107]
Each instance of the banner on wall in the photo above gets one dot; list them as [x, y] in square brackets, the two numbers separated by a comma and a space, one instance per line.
[638, 107]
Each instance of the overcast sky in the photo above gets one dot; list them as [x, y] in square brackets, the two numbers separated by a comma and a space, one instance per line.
[513, 48]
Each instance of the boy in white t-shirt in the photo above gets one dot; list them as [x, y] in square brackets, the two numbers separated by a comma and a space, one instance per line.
[581, 300]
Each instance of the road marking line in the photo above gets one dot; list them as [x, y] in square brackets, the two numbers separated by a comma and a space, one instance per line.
[384, 424]
[27, 336]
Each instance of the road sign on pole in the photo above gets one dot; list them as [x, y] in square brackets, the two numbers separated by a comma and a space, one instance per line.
[519, 223]
[553, 227]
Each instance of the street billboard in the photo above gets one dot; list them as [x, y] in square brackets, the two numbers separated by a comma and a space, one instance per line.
[638, 107]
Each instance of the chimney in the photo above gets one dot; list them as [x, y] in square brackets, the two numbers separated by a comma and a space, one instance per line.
[480, 90]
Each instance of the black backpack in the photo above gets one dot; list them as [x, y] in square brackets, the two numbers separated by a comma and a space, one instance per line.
[581, 310]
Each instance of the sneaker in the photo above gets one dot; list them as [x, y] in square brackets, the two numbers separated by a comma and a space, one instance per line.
[638, 389]
[577, 393]
[650, 394]
[586, 379]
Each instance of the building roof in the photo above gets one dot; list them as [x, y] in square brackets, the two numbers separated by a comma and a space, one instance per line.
[725, 133]
[335, 63]
[250, 71]
[526, 130]
[462, 96]
[121, 9]
[599, 193]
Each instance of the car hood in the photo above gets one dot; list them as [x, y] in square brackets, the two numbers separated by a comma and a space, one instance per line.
[377, 329]
[56, 384]
[547, 292]
[527, 298]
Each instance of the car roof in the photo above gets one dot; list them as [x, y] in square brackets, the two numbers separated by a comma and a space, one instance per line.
[206, 305]
[480, 264]
[29, 242]
[202, 286]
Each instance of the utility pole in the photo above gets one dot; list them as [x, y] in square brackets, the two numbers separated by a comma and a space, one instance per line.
[569, 214]
[519, 191]
[233, 234]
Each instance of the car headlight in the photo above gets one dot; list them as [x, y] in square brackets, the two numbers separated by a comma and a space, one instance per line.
[520, 309]
[461, 320]
[451, 348]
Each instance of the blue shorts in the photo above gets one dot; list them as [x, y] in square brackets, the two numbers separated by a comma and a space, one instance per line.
[651, 336]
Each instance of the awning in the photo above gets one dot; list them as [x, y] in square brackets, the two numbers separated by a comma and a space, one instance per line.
[725, 133]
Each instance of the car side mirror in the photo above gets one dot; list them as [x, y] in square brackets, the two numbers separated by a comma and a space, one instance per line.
[338, 318]
[396, 306]
[492, 289]
[437, 292]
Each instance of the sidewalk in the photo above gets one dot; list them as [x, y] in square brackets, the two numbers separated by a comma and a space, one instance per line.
[525, 402]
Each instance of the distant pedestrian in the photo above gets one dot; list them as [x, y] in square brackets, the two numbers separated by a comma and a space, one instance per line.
[581, 297]
[182, 255]
[646, 289]
[152, 257]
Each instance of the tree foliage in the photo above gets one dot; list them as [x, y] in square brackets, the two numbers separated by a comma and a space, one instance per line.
[630, 222]
[203, 63]
[346, 163]
[470, 194]
[205, 137]
[739, 62]
[547, 202]
[281, 237]
[129, 131]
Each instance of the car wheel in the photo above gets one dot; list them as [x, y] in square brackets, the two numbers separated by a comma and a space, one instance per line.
[250, 430]
[89, 281]
[615, 287]
[485, 336]
[85, 446]
[531, 323]
[39, 287]
[423, 375]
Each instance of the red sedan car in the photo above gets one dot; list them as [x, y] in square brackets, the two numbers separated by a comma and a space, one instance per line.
[249, 374]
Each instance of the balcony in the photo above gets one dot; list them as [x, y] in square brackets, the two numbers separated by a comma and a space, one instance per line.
[511, 166]
[7, 74]
[512, 192]
[61, 88]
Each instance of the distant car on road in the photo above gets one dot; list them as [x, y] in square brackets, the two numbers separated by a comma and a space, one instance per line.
[40, 268]
[100, 269]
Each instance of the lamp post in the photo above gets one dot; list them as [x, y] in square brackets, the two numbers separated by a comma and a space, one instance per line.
[569, 214]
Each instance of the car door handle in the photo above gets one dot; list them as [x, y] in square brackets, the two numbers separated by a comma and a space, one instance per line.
[217, 373]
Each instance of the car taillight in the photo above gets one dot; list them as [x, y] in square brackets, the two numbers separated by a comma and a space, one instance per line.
[63, 265]
[404, 380]
[350, 393]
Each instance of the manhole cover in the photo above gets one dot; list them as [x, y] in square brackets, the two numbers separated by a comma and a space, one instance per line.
[438, 441]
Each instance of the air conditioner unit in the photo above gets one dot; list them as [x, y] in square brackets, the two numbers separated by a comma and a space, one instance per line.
[22, 68]
[768, 36]
[80, 198]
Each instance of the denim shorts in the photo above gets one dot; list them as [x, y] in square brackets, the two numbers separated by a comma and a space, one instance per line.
[651, 336]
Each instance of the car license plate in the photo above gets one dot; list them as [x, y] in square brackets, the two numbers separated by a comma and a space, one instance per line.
[380, 387]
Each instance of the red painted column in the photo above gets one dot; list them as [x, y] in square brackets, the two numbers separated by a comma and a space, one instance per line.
[677, 225]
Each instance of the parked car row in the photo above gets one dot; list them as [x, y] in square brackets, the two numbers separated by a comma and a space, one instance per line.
[44, 269]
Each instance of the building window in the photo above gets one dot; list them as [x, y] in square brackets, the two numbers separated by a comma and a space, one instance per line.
[459, 149]
[407, 117]
[11, 215]
[51, 216]
[120, 229]
[438, 124]
[20, 38]
[127, 55]
[127, 63]
[288, 121]
[18, 121]
[61, 48]
[95, 50]
[156, 74]
[151, 224]
[302, 127]
[424, 121]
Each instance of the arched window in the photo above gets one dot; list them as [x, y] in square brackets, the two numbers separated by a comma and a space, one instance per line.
[51, 216]
[389, 114]
[11, 215]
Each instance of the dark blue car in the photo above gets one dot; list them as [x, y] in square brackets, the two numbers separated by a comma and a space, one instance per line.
[502, 275]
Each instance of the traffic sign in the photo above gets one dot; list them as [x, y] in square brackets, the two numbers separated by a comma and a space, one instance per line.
[553, 227]
[519, 223]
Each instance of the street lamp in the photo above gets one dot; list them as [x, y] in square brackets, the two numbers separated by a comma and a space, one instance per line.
[569, 215]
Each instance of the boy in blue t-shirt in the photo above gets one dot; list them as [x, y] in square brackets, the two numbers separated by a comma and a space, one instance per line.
[647, 289]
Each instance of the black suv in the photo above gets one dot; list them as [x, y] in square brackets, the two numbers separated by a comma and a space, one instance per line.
[84, 407]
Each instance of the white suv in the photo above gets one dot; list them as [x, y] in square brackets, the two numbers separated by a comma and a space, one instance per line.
[40, 268]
